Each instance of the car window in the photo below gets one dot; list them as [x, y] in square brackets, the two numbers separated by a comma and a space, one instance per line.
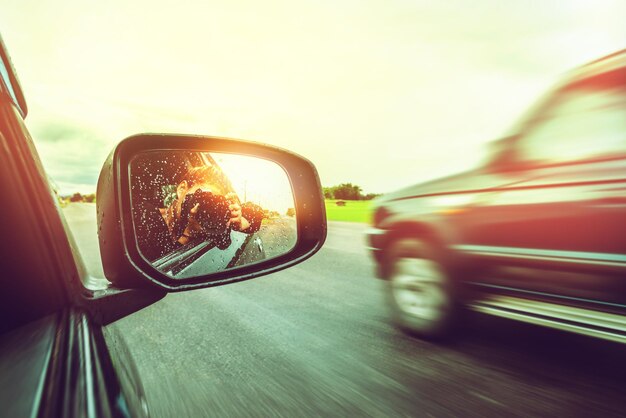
[4, 73]
[586, 121]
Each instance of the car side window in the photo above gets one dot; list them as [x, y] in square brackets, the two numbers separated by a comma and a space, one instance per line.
[7, 80]
[586, 121]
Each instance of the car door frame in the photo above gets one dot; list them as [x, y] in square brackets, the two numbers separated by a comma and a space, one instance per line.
[76, 372]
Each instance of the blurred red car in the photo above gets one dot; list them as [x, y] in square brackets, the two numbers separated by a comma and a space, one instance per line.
[537, 234]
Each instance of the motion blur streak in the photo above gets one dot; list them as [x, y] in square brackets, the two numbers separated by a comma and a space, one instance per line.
[316, 341]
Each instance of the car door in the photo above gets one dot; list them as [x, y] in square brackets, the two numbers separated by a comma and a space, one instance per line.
[560, 227]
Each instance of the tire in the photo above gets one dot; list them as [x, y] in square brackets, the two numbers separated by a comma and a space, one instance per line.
[420, 290]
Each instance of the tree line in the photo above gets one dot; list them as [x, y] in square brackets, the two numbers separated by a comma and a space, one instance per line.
[343, 191]
[77, 197]
[347, 191]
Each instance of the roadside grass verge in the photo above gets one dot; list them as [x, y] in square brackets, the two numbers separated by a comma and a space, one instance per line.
[353, 211]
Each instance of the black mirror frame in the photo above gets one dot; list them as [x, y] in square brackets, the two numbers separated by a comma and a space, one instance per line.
[122, 262]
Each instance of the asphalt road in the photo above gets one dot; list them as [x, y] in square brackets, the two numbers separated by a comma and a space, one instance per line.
[315, 340]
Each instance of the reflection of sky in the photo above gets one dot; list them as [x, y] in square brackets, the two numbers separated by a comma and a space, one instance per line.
[258, 181]
[381, 94]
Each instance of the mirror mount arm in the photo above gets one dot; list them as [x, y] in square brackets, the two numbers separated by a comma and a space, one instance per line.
[108, 305]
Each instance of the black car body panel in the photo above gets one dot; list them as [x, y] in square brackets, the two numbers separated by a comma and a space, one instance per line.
[25, 354]
[60, 365]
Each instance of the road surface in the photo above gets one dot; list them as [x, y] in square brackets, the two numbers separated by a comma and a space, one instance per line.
[315, 340]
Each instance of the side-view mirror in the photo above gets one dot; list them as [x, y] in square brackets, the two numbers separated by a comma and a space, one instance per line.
[182, 212]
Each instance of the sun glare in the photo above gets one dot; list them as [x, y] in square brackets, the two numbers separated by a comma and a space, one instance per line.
[258, 181]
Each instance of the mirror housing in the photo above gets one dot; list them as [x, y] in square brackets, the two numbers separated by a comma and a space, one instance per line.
[122, 262]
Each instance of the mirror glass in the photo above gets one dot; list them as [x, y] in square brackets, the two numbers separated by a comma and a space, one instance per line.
[197, 213]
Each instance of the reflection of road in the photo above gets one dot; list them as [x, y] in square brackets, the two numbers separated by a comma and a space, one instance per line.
[278, 235]
[315, 340]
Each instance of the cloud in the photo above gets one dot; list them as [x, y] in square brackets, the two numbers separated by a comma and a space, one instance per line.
[72, 154]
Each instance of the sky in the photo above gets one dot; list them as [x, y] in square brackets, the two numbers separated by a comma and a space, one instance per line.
[382, 93]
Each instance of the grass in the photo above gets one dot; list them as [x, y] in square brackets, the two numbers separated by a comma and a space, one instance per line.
[353, 211]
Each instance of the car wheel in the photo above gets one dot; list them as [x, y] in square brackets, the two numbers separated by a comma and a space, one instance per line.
[420, 290]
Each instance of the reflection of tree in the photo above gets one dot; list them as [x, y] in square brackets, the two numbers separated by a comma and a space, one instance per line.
[77, 198]
[291, 212]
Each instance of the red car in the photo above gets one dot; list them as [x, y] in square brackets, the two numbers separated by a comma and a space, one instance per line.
[536, 234]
